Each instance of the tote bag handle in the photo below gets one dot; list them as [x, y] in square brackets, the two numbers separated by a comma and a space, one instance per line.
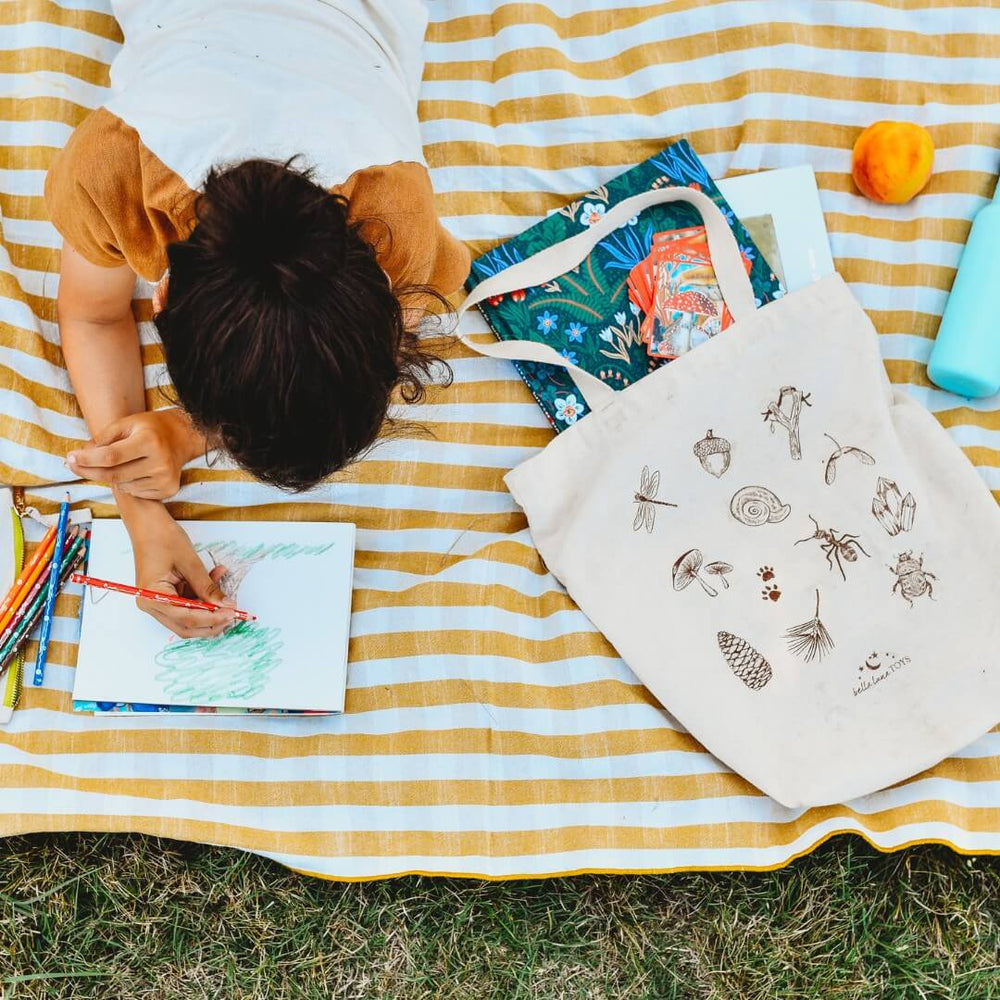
[565, 255]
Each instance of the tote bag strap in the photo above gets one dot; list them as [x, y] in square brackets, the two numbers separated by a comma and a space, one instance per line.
[562, 257]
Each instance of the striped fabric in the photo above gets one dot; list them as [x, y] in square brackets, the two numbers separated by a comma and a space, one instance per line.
[490, 730]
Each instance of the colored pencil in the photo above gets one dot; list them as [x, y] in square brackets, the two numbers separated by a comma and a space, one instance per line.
[33, 593]
[156, 595]
[53, 589]
[28, 576]
[37, 609]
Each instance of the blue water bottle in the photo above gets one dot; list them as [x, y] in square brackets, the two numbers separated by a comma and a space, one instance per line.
[965, 358]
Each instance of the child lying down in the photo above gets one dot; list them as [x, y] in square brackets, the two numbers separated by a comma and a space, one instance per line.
[284, 318]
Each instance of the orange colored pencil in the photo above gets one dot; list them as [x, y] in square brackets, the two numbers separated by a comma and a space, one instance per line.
[28, 576]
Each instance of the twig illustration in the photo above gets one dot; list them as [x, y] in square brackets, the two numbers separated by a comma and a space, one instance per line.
[835, 548]
[645, 498]
[757, 505]
[894, 511]
[775, 414]
[831, 463]
[810, 639]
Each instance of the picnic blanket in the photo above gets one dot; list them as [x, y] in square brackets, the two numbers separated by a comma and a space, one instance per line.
[490, 730]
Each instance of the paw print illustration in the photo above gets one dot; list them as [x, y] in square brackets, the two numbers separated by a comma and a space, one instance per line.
[771, 592]
[766, 573]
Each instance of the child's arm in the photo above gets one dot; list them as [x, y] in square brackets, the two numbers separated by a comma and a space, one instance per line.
[138, 452]
[101, 347]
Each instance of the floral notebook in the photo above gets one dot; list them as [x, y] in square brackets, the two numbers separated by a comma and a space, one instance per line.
[587, 313]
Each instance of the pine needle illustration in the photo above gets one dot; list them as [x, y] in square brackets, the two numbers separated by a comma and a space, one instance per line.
[810, 639]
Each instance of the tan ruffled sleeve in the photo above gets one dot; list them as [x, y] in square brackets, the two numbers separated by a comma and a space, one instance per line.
[113, 201]
[395, 205]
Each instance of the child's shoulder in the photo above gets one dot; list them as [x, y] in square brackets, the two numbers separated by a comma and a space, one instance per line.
[112, 199]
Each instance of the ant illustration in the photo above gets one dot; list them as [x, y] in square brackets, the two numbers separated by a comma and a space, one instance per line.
[846, 546]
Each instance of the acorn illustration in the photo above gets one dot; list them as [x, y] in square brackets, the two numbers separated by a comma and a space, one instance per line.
[744, 661]
[714, 454]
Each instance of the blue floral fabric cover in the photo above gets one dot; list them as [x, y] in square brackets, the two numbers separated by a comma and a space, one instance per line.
[586, 313]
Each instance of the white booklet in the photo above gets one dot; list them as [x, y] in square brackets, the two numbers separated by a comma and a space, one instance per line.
[295, 577]
[782, 211]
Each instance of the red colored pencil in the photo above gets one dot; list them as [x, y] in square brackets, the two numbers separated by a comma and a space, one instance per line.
[27, 578]
[156, 595]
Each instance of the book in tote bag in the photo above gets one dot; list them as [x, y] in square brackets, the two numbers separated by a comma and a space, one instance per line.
[587, 314]
[790, 553]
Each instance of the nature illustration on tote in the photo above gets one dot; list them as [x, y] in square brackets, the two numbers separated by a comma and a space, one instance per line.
[894, 511]
[744, 661]
[714, 454]
[645, 500]
[860, 454]
[810, 640]
[835, 545]
[757, 505]
[912, 580]
[775, 415]
[688, 568]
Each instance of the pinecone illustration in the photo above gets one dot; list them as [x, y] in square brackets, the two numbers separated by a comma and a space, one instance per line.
[744, 661]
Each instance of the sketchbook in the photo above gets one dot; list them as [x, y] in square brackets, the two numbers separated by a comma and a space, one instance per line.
[295, 577]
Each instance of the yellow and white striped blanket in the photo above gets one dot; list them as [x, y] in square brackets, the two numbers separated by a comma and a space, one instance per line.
[490, 730]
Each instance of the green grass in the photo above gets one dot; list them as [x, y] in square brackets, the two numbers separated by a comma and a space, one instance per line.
[130, 917]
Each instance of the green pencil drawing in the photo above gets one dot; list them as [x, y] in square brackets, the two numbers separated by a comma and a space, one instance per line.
[238, 663]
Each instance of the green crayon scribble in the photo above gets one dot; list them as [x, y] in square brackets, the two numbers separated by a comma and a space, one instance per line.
[258, 550]
[236, 664]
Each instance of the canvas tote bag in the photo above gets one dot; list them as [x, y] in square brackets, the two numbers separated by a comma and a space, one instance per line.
[791, 554]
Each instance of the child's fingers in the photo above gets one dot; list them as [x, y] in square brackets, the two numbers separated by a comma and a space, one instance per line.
[107, 456]
[188, 623]
[119, 475]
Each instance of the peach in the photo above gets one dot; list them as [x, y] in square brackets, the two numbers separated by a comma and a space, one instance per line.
[892, 161]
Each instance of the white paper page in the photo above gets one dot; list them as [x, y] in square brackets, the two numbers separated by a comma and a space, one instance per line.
[790, 197]
[296, 577]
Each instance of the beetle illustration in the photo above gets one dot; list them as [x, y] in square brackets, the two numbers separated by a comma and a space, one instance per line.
[911, 578]
[835, 545]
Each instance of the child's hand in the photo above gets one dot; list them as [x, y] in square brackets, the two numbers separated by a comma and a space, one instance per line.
[165, 560]
[141, 454]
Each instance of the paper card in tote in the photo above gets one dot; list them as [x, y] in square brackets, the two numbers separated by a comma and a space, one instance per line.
[296, 577]
[586, 313]
[782, 211]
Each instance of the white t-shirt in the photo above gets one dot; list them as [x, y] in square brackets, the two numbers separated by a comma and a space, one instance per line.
[212, 82]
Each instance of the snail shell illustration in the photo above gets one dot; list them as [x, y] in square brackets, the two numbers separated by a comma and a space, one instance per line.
[744, 661]
[756, 505]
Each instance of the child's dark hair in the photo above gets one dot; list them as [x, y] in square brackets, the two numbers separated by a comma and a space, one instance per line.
[282, 334]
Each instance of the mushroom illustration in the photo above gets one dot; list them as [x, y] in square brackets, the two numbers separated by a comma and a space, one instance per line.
[686, 569]
[691, 302]
[720, 569]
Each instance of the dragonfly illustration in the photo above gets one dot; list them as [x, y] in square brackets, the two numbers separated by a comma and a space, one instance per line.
[645, 498]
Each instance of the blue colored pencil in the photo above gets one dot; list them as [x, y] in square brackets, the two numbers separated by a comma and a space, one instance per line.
[50, 598]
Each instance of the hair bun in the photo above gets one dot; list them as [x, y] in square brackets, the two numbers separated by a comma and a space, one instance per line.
[273, 223]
